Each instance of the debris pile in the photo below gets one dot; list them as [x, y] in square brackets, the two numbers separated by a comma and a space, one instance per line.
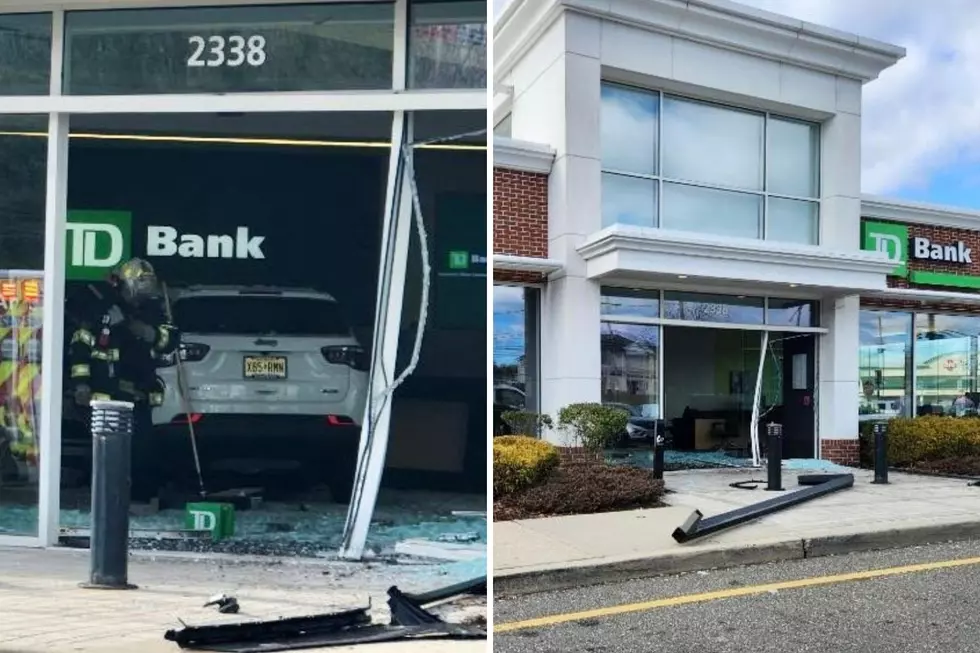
[409, 620]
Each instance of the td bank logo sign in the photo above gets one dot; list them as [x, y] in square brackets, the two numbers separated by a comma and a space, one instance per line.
[100, 240]
[97, 241]
[893, 240]
[462, 263]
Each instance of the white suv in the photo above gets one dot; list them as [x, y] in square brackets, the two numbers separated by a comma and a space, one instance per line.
[271, 374]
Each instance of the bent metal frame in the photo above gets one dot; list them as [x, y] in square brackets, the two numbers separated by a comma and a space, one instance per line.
[400, 100]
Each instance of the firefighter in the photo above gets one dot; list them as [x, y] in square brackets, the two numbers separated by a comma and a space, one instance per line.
[114, 351]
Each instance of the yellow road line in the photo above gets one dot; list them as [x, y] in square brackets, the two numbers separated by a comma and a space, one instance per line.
[750, 590]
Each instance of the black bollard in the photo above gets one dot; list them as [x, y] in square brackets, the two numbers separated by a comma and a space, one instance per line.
[774, 456]
[658, 457]
[112, 433]
[880, 430]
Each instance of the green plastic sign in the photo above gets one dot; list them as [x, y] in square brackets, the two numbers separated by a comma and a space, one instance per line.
[219, 518]
[96, 242]
[459, 260]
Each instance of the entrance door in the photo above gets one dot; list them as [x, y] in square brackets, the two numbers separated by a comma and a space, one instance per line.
[799, 372]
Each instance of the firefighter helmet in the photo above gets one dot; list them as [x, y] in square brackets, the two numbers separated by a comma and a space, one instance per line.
[137, 281]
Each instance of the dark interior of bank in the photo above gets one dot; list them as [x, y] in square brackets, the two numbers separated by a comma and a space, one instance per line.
[309, 189]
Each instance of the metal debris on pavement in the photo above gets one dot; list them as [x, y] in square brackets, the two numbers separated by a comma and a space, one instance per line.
[409, 620]
[226, 604]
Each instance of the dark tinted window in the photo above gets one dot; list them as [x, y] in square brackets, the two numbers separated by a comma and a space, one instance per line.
[25, 54]
[265, 316]
[307, 47]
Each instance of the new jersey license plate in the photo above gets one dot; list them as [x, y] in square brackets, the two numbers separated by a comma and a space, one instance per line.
[265, 367]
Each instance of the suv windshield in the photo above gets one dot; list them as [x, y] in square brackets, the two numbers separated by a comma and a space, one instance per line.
[264, 315]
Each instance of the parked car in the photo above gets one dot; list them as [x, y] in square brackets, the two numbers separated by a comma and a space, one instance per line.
[272, 375]
[505, 398]
[643, 426]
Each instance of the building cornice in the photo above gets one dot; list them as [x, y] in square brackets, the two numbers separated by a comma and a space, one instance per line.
[526, 264]
[664, 241]
[714, 22]
[624, 251]
[883, 208]
[522, 155]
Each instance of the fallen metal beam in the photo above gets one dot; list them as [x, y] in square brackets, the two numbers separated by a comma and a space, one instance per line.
[475, 586]
[264, 632]
[409, 620]
[815, 485]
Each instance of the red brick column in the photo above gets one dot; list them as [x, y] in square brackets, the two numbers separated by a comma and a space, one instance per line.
[520, 219]
[842, 452]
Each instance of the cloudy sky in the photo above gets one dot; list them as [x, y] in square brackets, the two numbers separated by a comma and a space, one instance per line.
[922, 118]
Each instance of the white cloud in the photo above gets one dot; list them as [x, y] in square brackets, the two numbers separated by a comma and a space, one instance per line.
[923, 115]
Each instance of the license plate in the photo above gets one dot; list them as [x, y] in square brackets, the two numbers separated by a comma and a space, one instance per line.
[265, 367]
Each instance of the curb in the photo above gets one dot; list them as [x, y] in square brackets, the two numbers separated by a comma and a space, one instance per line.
[586, 574]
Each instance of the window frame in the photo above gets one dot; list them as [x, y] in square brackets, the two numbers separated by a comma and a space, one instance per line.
[765, 194]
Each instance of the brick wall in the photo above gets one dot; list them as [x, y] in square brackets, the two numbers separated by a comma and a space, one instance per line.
[520, 220]
[842, 452]
[520, 213]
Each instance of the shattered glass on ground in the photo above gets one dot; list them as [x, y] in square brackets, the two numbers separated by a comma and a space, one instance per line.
[683, 460]
[676, 460]
[302, 529]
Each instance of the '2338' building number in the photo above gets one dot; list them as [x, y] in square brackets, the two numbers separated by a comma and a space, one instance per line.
[233, 51]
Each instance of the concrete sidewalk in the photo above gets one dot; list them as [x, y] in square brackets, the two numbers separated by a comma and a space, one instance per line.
[42, 609]
[543, 554]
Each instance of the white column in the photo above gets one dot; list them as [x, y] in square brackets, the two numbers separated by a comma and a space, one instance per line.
[557, 102]
[49, 498]
[570, 349]
[840, 182]
[387, 323]
[839, 399]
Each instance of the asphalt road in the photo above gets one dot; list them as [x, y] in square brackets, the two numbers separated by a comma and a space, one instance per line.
[822, 605]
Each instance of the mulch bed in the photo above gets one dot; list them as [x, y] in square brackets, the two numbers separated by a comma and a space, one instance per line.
[967, 466]
[580, 488]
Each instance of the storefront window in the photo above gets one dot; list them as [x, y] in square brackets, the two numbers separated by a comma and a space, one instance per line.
[441, 409]
[630, 302]
[324, 47]
[791, 312]
[515, 347]
[701, 307]
[25, 54]
[885, 364]
[662, 168]
[448, 44]
[630, 368]
[946, 364]
[23, 163]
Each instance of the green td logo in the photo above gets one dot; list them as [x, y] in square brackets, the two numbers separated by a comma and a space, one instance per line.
[459, 260]
[97, 241]
[890, 239]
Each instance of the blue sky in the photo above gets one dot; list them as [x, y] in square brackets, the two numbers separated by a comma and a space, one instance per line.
[921, 130]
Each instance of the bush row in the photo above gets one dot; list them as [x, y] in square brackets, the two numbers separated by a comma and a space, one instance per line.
[582, 488]
[927, 438]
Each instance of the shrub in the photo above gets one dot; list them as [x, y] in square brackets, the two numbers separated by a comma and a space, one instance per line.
[519, 462]
[931, 437]
[593, 426]
[525, 422]
[583, 488]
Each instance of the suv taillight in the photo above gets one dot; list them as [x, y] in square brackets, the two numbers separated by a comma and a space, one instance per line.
[190, 352]
[351, 355]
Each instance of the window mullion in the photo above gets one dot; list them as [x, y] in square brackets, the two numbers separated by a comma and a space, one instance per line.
[765, 177]
[660, 154]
